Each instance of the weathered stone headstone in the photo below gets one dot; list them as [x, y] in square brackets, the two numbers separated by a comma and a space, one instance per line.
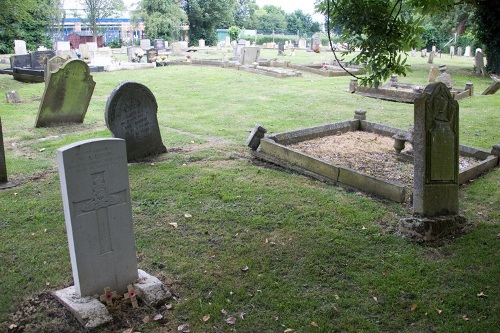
[431, 57]
[460, 51]
[131, 114]
[423, 53]
[479, 63]
[434, 48]
[13, 97]
[20, 47]
[253, 140]
[412, 52]
[241, 44]
[201, 43]
[67, 95]
[249, 55]
[444, 77]
[302, 43]
[21, 61]
[433, 74]
[492, 88]
[467, 51]
[452, 51]
[436, 168]
[51, 65]
[98, 213]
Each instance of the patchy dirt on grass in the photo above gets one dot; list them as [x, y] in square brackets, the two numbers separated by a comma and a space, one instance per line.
[43, 313]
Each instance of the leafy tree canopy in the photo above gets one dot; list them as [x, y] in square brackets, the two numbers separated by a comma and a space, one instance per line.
[162, 18]
[95, 10]
[384, 29]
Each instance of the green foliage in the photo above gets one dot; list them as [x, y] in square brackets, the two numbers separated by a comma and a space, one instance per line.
[115, 44]
[162, 18]
[28, 21]
[381, 30]
[487, 16]
[234, 32]
[95, 10]
[204, 16]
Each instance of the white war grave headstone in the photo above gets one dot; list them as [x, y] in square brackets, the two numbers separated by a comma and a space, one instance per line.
[20, 47]
[98, 213]
[131, 114]
[67, 95]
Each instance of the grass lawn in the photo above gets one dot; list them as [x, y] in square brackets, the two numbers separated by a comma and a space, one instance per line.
[320, 258]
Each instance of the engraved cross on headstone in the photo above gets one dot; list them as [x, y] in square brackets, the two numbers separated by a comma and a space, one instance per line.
[99, 204]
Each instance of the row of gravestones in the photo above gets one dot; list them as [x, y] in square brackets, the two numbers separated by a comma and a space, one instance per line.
[96, 194]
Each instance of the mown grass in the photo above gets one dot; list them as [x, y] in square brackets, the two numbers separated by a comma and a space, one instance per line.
[320, 258]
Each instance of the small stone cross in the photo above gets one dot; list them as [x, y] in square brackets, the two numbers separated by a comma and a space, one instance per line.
[108, 296]
[132, 295]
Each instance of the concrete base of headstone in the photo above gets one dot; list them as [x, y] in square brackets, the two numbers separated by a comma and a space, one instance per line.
[89, 311]
[6, 185]
[151, 290]
[427, 229]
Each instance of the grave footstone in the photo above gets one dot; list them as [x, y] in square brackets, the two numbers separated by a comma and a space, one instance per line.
[436, 168]
[131, 114]
[13, 97]
[98, 214]
[67, 95]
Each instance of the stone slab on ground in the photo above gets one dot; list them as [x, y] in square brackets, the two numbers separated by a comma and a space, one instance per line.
[89, 311]
[152, 291]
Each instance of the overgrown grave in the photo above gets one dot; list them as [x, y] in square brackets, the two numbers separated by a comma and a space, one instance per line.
[131, 114]
[98, 213]
[67, 95]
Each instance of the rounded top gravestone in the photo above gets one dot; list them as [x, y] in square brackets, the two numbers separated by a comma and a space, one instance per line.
[131, 115]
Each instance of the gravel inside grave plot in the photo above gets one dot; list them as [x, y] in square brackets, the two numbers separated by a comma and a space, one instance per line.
[368, 153]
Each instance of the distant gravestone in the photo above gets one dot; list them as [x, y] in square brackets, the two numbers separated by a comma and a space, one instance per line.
[228, 41]
[412, 53]
[176, 48]
[460, 51]
[452, 51]
[281, 49]
[67, 95]
[249, 55]
[302, 43]
[434, 48]
[51, 65]
[84, 50]
[444, 77]
[241, 44]
[20, 47]
[160, 44]
[38, 58]
[467, 51]
[63, 46]
[479, 63]
[201, 43]
[152, 55]
[431, 58]
[145, 44]
[92, 46]
[433, 74]
[436, 167]
[13, 97]
[131, 114]
[20, 61]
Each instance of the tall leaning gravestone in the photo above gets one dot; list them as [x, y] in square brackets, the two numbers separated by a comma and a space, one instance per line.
[98, 214]
[130, 114]
[67, 95]
[436, 168]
